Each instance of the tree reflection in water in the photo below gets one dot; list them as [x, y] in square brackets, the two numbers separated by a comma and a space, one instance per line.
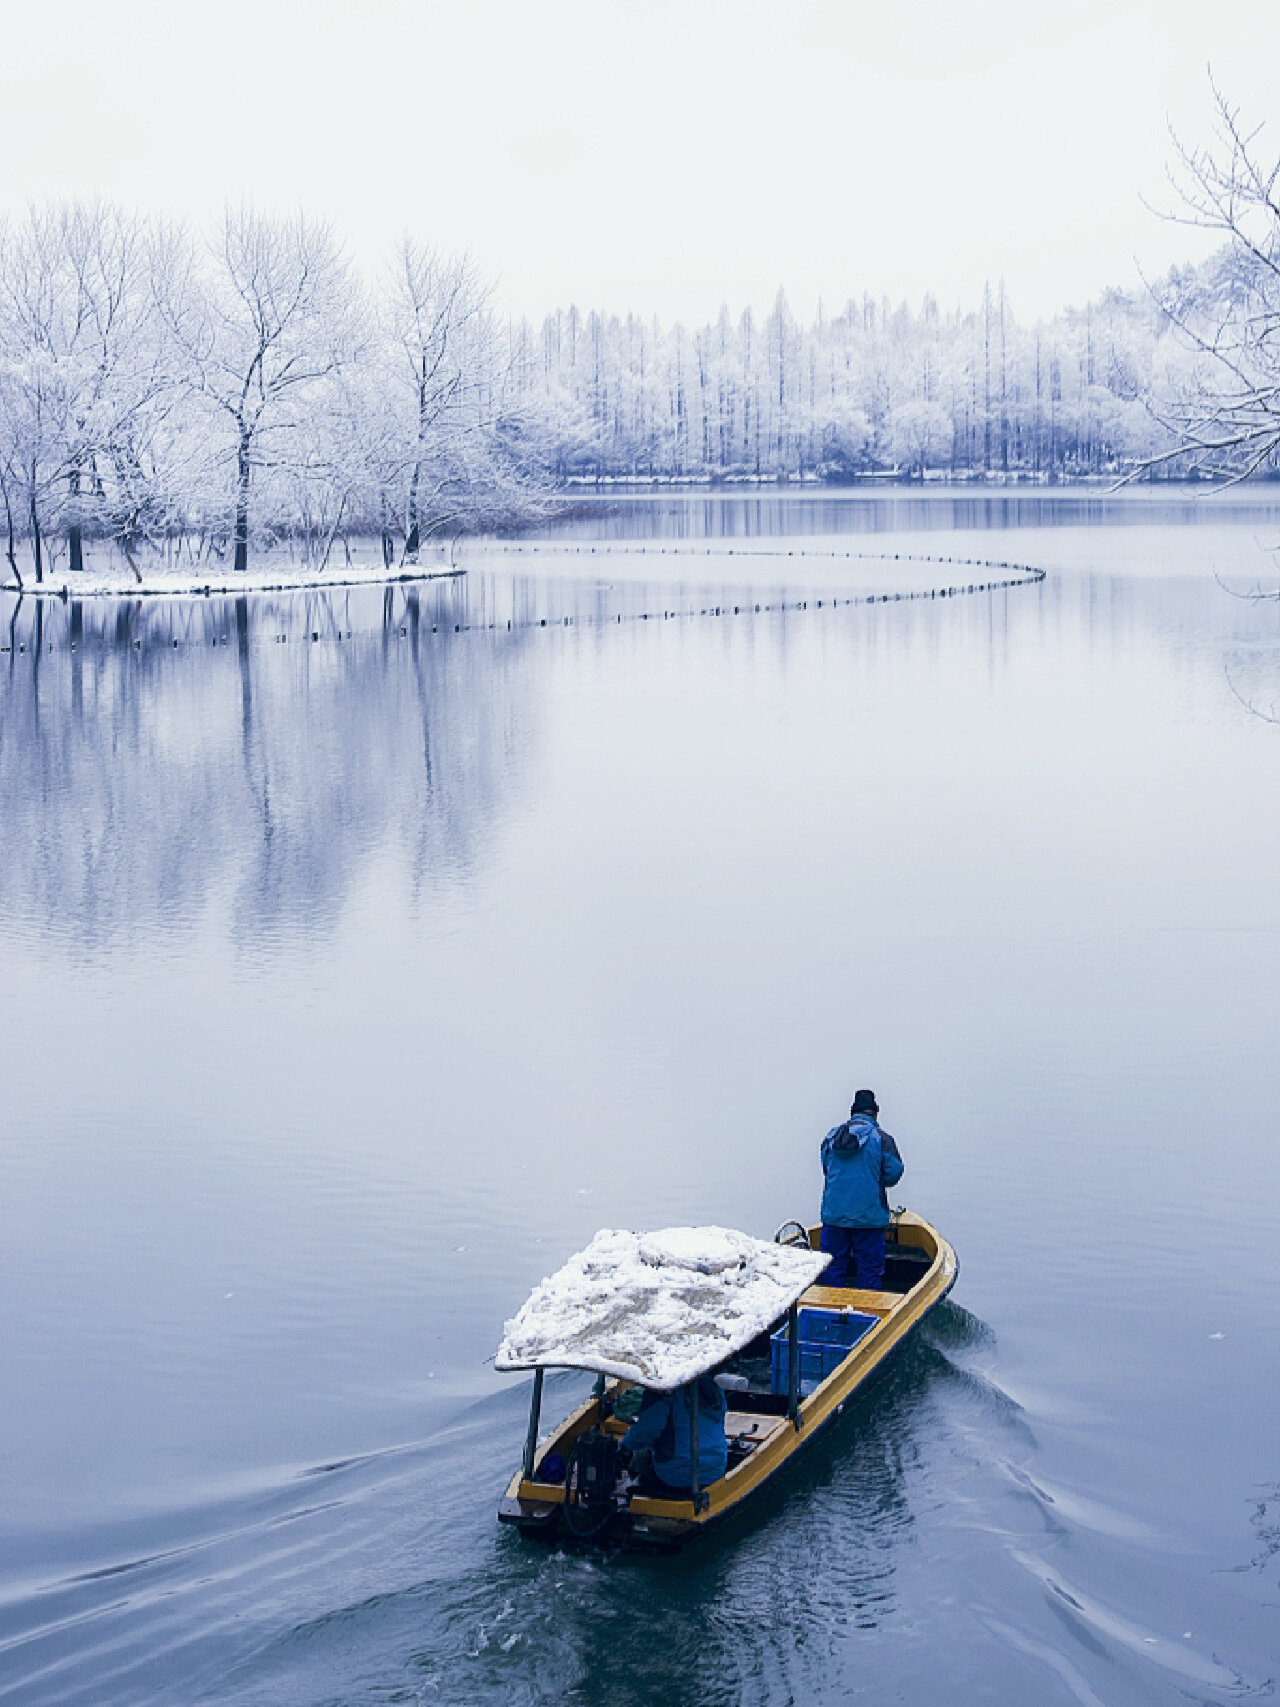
[156, 756]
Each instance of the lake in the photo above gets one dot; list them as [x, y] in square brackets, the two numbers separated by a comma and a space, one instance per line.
[364, 952]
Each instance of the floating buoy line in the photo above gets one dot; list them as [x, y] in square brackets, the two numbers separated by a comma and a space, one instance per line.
[1000, 575]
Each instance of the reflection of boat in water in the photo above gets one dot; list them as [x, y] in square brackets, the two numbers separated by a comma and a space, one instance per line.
[661, 1310]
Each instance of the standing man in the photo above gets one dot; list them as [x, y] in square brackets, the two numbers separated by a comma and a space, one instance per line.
[859, 1164]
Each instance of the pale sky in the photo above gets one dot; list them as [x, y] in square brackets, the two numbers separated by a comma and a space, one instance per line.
[647, 154]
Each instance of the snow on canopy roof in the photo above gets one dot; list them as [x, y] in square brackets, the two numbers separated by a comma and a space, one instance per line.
[657, 1308]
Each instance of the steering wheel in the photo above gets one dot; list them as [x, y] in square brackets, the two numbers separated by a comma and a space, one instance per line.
[792, 1233]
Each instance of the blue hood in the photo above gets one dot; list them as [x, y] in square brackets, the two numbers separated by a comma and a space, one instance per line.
[859, 1129]
[858, 1162]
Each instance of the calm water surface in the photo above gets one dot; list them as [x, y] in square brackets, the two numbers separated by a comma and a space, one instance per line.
[350, 982]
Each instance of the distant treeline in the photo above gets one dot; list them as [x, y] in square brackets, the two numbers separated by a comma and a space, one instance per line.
[872, 388]
[163, 393]
[1180, 378]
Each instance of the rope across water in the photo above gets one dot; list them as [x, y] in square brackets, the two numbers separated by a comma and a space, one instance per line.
[1015, 574]
[1000, 575]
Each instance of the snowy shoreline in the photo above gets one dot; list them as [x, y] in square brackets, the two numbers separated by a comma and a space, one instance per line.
[98, 584]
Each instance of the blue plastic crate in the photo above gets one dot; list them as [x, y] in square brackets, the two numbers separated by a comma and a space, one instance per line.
[811, 1363]
[825, 1339]
[834, 1327]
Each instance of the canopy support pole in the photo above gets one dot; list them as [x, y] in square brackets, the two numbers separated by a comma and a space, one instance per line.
[699, 1497]
[793, 1366]
[531, 1439]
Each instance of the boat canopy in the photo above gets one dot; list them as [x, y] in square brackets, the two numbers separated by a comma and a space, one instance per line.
[658, 1308]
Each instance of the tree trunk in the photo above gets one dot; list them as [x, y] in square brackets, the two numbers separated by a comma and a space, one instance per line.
[11, 543]
[986, 370]
[413, 528]
[240, 562]
[333, 534]
[388, 544]
[37, 544]
[1004, 389]
[413, 532]
[75, 538]
[129, 559]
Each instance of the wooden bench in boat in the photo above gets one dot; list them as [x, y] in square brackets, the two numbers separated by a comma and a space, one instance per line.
[751, 1429]
[851, 1298]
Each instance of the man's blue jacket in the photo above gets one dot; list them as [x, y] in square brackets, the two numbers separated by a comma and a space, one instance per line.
[663, 1424]
[859, 1163]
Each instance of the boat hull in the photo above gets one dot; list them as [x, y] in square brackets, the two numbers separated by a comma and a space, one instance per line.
[535, 1507]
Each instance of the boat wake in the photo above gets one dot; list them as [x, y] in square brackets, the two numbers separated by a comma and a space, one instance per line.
[918, 1538]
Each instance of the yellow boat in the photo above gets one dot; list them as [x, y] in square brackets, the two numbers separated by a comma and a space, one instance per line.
[661, 1310]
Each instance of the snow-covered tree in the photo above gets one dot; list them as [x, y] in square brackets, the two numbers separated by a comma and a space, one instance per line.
[88, 376]
[452, 447]
[920, 436]
[276, 316]
[1225, 408]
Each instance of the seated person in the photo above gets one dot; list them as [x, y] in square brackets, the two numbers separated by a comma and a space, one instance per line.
[663, 1425]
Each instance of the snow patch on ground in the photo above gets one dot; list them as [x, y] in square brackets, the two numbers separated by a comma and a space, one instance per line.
[658, 1308]
[201, 581]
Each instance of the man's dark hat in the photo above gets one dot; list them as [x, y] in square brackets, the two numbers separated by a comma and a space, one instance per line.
[865, 1102]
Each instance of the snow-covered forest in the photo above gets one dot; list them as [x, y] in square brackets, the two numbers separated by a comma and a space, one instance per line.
[875, 387]
[1182, 376]
[213, 398]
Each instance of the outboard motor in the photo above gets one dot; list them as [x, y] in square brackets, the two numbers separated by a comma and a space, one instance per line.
[589, 1483]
